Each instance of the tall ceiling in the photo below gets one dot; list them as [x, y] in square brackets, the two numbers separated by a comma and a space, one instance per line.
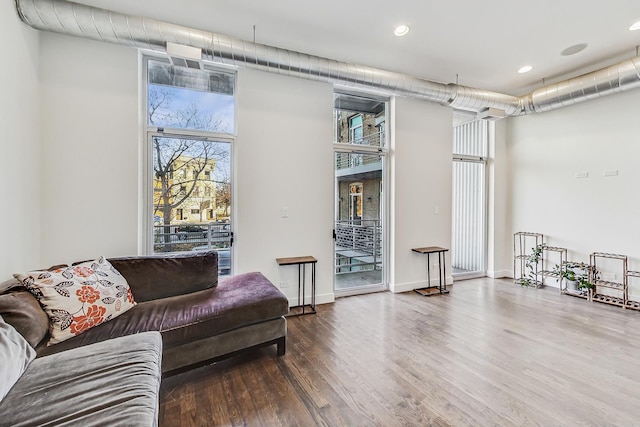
[479, 43]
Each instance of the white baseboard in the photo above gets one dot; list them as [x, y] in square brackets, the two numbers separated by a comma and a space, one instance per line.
[499, 274]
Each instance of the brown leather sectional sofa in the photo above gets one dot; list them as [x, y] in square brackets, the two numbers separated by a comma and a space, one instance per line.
[199, 317]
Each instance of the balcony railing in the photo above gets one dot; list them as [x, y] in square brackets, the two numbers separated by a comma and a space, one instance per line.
[351, 160]
[375, 139]
[191, 236]
[358, 246]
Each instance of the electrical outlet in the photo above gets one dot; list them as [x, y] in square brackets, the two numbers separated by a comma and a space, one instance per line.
[284, 285]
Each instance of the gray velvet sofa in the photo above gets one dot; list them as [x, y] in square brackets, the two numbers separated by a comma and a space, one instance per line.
[193, 316]
[114, 382]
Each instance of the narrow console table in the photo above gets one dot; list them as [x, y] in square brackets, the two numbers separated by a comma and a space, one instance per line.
[301, 262]
[442, 280]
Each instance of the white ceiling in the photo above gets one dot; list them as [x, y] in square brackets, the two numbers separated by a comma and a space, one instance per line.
[483, 42]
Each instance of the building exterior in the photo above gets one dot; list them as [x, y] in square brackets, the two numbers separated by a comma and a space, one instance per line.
[358, 227]
[359, 176]
[187, 193]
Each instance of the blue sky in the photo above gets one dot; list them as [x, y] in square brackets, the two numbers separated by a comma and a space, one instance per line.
[220, 106]
[210, 104]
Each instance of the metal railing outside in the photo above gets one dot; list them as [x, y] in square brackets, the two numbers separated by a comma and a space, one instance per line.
[350, 160]
[375, 139]
[191, 236]
[358, 245]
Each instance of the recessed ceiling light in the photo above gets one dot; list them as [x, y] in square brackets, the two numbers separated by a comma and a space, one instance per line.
[572, 50]
[401, 30]
[635, 26]
[525, 69]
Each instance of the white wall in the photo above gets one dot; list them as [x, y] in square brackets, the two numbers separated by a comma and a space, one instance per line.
[87, 187]
[499, 263]
[597, 213]
[20, 174]
[284, 159]
[89, 108]
[421, 183]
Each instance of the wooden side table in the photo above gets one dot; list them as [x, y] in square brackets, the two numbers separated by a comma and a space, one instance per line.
[442, 269]
[301, 262]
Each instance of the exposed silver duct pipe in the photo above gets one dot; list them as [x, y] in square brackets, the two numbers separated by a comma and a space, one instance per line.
[616, 78]
[65, 17]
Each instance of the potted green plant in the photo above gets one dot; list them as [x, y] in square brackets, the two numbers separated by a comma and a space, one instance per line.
[575, 275]
[531, 264]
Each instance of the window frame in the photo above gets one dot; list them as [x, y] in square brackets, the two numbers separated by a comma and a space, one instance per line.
[478, 158]
[147, 132]
[353, 129]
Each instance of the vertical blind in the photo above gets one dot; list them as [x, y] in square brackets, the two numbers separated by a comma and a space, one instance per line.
[469, 207]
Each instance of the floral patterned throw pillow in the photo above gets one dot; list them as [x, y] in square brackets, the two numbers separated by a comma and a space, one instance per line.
[79, 297]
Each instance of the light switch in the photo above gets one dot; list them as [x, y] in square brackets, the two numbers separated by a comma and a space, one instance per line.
[284, 212]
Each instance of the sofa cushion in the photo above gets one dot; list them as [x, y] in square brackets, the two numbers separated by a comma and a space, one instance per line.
[237, 301]
[114, 383]
[21, 310]
[167, 275]
[15, 354]
[7, 285]
[79, 297]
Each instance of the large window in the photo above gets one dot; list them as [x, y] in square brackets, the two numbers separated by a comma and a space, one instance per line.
[469, 199]
[360, 201]
[184, 98]
[355, 129]
[190, 127]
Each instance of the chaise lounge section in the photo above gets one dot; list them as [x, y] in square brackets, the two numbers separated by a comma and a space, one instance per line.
[200, 317]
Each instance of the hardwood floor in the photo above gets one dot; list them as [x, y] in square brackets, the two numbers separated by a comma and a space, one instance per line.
[489, 353]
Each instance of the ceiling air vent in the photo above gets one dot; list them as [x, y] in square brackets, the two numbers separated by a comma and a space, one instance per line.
[491, 114]
[184, 56]
[182, 62]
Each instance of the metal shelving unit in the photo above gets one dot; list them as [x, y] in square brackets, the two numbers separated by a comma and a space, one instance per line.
[632, 304]
[599, 284]
[580, 293]
[547, 254]
[523, 245]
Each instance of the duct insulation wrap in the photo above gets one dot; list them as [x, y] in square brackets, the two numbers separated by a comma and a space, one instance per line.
[75, 19]
[616, 78]
[79, 20]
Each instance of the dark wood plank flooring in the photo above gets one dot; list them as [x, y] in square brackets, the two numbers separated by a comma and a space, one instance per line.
[489, 353]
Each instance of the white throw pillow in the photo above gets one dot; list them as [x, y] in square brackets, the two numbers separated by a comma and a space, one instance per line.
[15, 354]
[79, 297]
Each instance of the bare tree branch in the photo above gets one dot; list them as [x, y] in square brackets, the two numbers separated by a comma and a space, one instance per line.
[180, 163]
